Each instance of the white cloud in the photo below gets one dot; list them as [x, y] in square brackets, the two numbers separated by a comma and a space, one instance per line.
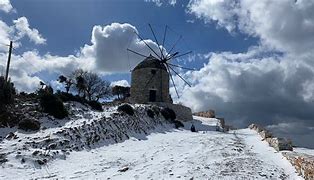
[25, 68]
[161, 2]
[5, 6]
[5, 33]
[285, 25]
[109, 47]
[220, 11]
[23, 29]
[123, 83]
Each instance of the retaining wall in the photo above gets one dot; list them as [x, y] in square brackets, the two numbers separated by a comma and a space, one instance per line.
[183, 113]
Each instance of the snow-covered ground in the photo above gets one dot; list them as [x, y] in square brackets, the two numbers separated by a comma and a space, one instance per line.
[168, 154]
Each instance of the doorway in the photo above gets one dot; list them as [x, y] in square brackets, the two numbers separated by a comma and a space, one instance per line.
[152, 95]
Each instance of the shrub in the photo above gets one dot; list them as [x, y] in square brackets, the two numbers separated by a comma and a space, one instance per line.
[126, 108]
[52, 105]
[29, 125]
[65, 97]
[168, 114]
[156, 110]
[95, 105]
[150, 113]
[7, 92]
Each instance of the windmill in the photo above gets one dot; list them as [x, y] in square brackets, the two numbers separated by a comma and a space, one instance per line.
[164, 58]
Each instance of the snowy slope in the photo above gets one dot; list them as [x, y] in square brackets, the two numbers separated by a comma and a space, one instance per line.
[168, 154]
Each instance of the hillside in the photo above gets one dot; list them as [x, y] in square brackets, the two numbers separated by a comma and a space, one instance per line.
[113, 145]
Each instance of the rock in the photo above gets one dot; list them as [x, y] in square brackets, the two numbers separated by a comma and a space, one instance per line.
[29, 125]
[252, 126]
[123, 169]
[265, 134]
[11, 135]
[178, 124]
[3, 158]
[35, 153]
[221, 122]
[52, 146]
[41, 162]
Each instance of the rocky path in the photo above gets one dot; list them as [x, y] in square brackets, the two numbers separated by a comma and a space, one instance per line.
[178, 154]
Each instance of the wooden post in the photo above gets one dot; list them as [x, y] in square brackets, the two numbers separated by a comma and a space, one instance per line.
[8, 64]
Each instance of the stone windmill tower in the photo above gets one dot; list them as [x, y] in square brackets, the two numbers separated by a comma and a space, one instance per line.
[150, 82]
[150, 78]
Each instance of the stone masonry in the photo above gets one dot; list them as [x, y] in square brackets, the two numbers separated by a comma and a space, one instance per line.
[149, 75]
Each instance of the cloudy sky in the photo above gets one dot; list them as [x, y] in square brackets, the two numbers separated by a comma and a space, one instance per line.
[254, 59]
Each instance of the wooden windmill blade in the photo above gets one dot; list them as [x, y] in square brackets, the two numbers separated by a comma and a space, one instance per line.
[137, 53]
[186, 68]
[180, 76]
[147, 45]
[161, 53]
[174, 85]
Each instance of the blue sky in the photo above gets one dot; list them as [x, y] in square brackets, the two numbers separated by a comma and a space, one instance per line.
[67, 25]
[254, 59]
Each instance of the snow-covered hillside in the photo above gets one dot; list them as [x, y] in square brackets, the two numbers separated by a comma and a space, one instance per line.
[156, 151]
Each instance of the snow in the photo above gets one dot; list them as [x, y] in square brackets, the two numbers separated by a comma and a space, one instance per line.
[304, 151]
[165, 153]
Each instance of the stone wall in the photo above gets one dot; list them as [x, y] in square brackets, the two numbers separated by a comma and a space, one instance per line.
[303, 163]
[208, 114]
[279, 144]
[183, 113]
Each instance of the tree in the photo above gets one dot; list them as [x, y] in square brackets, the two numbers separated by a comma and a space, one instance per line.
[95, 87]
[91, 85]
[79, 75]
[121, 92]
[68, 82]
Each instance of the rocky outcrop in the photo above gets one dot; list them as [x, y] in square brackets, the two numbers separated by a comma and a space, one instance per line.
[304, 164]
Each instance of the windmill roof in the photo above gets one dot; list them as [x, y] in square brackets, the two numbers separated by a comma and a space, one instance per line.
[151, 62]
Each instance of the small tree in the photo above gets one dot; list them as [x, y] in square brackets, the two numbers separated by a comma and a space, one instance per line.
[67, 82]
[121, 92]
[51, 104]
[78, 75]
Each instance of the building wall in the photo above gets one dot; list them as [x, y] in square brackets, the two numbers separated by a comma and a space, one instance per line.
[140, 87]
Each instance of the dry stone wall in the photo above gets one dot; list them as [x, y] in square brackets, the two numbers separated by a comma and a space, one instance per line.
[279, 144]
[303, 163]
[208, 114]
